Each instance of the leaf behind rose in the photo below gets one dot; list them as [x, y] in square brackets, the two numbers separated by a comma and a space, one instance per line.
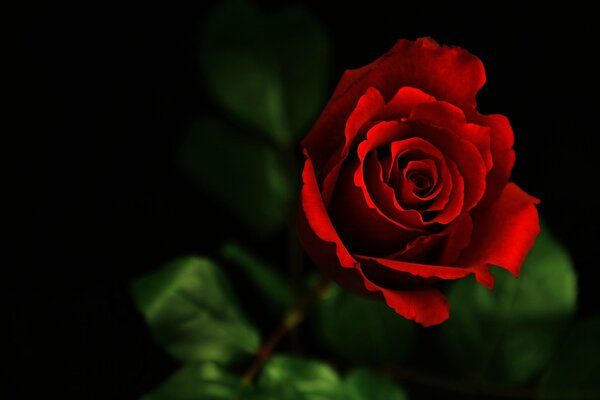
[360, 330]
[574, 373]
[272, 287]
[268, 69]
[244, 175]
[192, 312]
[508, 334]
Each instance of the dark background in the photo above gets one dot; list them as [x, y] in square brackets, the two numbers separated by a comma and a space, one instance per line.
[103, 98]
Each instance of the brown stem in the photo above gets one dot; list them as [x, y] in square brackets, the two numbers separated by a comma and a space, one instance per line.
[291, 320]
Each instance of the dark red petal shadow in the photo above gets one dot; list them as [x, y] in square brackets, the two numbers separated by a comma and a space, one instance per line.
[321, 240]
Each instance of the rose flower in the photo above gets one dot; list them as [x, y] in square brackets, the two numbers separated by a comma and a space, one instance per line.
[405, 184]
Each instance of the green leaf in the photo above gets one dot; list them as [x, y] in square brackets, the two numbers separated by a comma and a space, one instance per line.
[361, 384]
[290, 378]
[508, 334]
[205, 381]
[245, 176]
[271, 285]
[268, 69]
[378, 336]
[193, 314]
[574, 373]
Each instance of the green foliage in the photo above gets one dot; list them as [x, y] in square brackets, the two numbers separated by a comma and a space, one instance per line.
[362, 331]
[574, 373]
[267, 69]
[289, 378]
[245, 176]
[508, 334]
[362, 384]
[203, 381]
[192, 312]
[296, 378]
[271, 285]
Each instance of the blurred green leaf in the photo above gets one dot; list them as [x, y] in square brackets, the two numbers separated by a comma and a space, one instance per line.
[290, 378]
[268, 69]
[362, 331]
[246, 176]
[574, 373]
[205, 381]
[264, 277]
[361, 384]
[508, 334]
[193, 313]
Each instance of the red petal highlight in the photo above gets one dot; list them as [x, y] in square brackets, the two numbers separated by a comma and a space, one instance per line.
[504, 233]
[424, 305]
[503, 156]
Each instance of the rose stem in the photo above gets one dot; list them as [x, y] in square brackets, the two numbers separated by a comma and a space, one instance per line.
[291, 320]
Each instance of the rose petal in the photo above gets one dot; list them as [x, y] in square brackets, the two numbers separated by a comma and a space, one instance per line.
[408, 189]
[456, 198]
[466, 156]
[361, 224]
[401, 105]
[446, 115]
[416, 269]
[424, 305]
[383, 197]
[322, 241]
[447, 73]
[368, 105]
[503, 156]
[420, 250]
[457, 239]
[504, 233]
[418, 148]
[316, 215]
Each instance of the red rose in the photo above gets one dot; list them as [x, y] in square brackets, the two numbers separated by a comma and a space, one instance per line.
[406, 184]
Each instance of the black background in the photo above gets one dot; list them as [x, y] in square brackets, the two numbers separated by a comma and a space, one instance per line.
[103, 97]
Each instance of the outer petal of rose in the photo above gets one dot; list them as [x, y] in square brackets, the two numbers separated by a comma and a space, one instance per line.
[504, 233]
[322, 241]
[368, 106]
[502, 139]
[424, 305]
[447, 73]
[401, 105]
[420, 270]
[313, 208]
